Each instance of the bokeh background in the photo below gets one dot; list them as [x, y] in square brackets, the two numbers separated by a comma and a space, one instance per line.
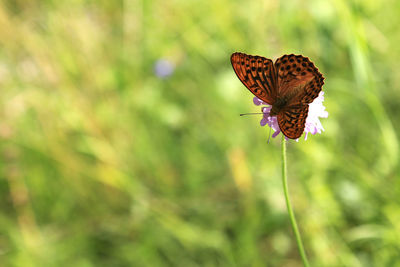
[121, 143]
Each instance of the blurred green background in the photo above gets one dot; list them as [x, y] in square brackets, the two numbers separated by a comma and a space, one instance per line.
[121, 143]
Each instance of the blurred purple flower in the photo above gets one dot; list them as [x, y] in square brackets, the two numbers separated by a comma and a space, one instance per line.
[313, 125]
[163, 68]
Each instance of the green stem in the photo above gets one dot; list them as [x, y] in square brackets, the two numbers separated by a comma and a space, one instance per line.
[289, 206]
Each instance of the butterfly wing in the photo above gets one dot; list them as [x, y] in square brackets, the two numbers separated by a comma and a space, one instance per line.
[299, 82]
[258, 74]
[292, 120]
[298, 79]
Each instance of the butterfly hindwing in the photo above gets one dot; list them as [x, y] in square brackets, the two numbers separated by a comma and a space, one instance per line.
[292, 120]
[257, 74]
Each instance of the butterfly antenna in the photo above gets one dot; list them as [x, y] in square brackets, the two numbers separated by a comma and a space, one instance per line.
[255, 113]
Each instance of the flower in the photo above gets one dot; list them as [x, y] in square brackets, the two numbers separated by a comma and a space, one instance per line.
[163, 68]
[313, 125]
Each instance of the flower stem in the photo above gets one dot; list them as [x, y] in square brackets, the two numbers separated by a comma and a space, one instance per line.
[289, 206]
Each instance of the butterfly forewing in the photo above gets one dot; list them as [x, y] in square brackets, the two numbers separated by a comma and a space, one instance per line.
[294, 72]
[257, 74]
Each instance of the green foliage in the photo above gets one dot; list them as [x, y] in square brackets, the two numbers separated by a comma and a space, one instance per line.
[105, 164]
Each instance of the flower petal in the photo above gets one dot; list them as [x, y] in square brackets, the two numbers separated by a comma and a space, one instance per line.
[264, 121]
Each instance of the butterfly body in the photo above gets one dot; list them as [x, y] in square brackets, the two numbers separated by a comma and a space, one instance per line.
[278, 105]
[289, 85]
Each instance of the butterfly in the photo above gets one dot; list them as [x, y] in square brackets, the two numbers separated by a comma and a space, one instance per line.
[289, 85]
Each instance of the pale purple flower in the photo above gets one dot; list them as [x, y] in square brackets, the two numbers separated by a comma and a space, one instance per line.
[313, 125]
[163, 68]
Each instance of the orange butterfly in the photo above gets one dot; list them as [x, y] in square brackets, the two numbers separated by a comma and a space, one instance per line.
[289, 86]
